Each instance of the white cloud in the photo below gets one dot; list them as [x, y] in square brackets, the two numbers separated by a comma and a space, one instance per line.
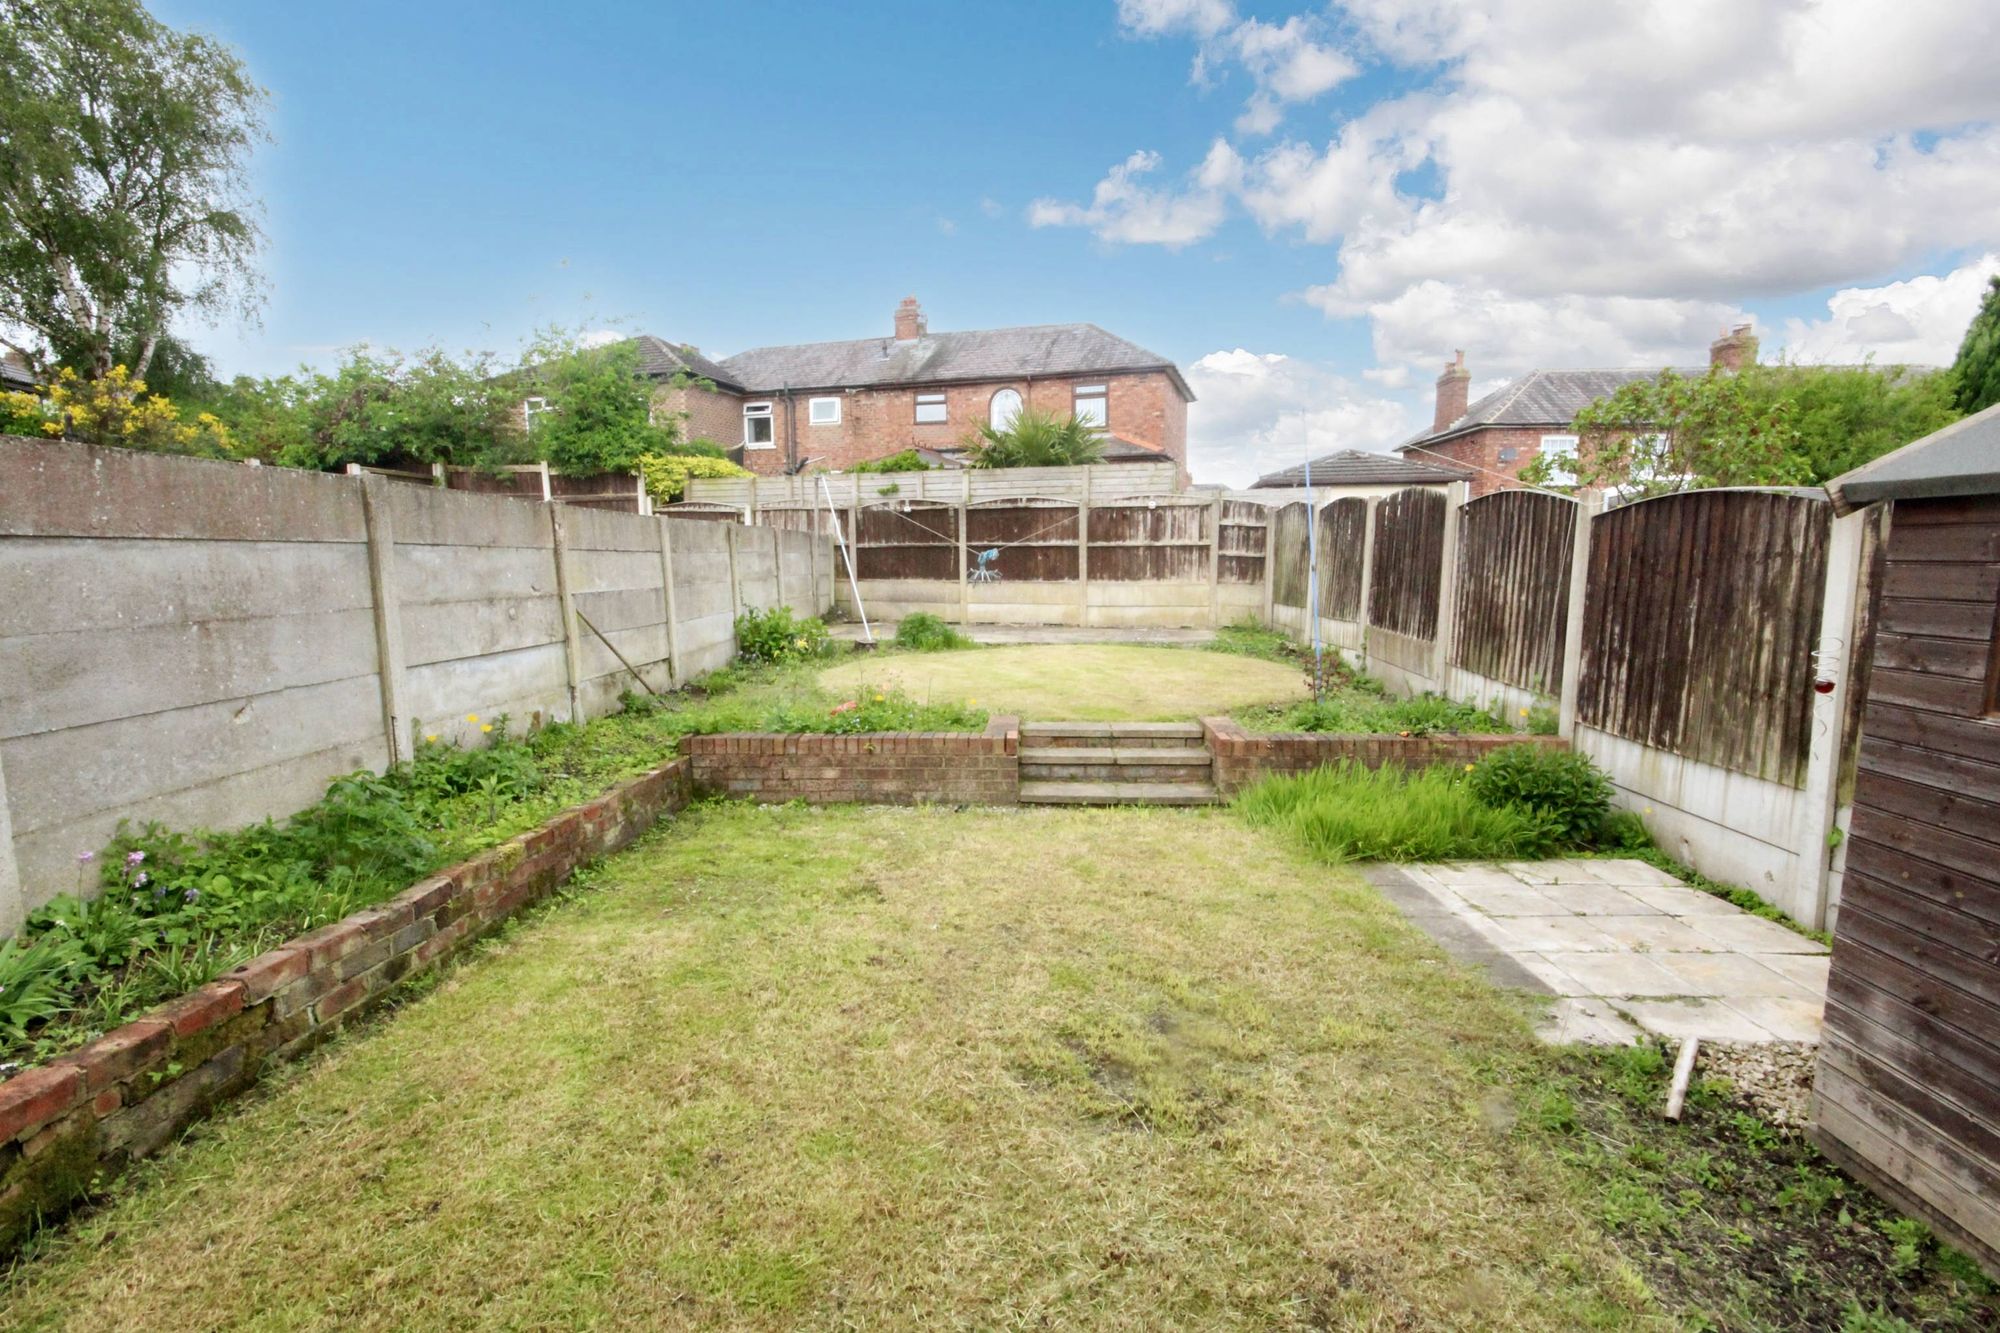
[1599, 182]
[1123, 208]
[1917, 322]
[600, 337]
[1255, 412]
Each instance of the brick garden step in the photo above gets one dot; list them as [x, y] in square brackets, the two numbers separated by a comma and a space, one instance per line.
[1109, 735]
[1118, 793]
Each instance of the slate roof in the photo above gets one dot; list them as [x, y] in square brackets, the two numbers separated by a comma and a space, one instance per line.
[1961, 459]
[940, 358]
[660, 359]
[1360, 467]
[1543, 398]
[18, 379]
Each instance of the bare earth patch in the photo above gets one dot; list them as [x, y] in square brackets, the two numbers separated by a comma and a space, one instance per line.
[1097, 682]
[891, 1069]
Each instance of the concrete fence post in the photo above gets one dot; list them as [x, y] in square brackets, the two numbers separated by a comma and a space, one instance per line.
[1832, 671]
[1455, 496]
[572, 638]
[735, 579]
[1587, 510]
[13, 900]
[667, 595]
[389, 662]
[964, 582]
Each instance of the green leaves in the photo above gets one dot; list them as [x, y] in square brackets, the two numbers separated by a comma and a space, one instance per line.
[1036, 439]
[1976, 372]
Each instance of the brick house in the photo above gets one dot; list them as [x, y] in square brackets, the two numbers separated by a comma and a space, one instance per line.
[1509, 428]
[832, 405]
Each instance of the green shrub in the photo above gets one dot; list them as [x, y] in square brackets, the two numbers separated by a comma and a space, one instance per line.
[667, 474]
[1346, 812]
[926, 633]
[777, 636]
[1562, 786]
[909, 460]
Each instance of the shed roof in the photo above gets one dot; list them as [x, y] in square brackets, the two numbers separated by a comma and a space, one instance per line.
[1961, 459]
[1362, 467]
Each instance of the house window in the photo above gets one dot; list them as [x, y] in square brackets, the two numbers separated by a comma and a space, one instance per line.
[823, 411]
[930, 409]
[1006, 405]
[530, 409]
[757, 426]
[1091, 404]
[1509, 454]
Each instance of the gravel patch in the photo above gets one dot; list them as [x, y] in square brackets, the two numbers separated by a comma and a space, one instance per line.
[1774, 1077]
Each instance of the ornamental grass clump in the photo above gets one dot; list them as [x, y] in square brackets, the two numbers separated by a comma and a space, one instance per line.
[1346, 812]
[923, 632]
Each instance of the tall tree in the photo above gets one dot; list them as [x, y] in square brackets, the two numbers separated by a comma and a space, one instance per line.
[122, 199]
[1978, 366]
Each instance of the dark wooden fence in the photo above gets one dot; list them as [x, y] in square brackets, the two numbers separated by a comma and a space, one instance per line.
[1409, 563]
[1343, 539]
[1035, 539]
[1287, 555]
[1700, 616]
[1242, 540]
[1514, 551]
[907, 539]
[1153, 540]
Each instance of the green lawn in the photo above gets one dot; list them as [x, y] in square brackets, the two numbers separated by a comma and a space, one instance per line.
[1097, 682]
[889, 1069]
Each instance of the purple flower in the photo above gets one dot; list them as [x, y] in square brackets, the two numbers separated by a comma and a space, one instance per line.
[134, 858]
[85, 858]
[191, 895]
[141, 880]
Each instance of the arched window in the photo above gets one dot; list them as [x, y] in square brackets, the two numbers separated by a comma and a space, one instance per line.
[1005, 407]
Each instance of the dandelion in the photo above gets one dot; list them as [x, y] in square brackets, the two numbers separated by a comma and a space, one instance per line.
[878, 698]
[1524, 712]
[471, 718]
[431, 739]
[972, 703]
[485, 727]
[1470, 767]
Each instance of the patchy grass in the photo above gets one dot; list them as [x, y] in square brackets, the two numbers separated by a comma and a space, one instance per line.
[1096, 682]
[1736, 1224]
[1347, 812]
[884, 1068]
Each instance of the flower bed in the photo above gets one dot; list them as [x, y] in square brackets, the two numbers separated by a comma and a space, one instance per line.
[880, 768]
[70, 1125]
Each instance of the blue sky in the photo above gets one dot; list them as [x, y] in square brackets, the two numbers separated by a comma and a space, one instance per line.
[1331, 198]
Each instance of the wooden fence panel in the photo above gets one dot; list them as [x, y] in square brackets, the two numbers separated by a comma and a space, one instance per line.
[1343, 531]
[1700, 616]
[907, 540]
[1035, 540]
[1513, 588]
[1408, 568]
[1160, 541]
[1286, 553]
[1240, 547]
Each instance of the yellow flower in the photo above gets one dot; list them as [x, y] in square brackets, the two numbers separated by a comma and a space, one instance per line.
[1469, 768]
[972, 703]
[486, 726]
[1524, 712]
[431, 739]
[472, 717]
[878, 698]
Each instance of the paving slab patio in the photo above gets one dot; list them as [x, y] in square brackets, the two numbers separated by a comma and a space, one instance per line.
[1623, 947]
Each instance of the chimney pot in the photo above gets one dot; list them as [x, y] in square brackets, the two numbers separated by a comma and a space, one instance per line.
[909, 320]
[1453, 392]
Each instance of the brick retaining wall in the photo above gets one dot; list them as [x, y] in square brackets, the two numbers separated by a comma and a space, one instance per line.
[879, 768]
[1242, 759]
[70, 1126]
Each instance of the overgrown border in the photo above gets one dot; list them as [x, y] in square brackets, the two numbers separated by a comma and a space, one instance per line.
[70, 1126]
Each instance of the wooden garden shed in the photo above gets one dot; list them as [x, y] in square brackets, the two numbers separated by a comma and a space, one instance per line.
[1907, 1094]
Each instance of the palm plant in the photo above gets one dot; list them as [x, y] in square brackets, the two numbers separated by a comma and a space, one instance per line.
[1036, 439]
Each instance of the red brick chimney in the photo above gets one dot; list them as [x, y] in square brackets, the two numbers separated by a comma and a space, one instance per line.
[1734, 349]
[1454, 387]
[909, 320]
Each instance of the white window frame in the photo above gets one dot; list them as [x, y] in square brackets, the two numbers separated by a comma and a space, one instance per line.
[759, 412]
[933, 400]
[1092, 393]
[813, 405]
[1551, 445]
[532, 408]
[992, 407]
